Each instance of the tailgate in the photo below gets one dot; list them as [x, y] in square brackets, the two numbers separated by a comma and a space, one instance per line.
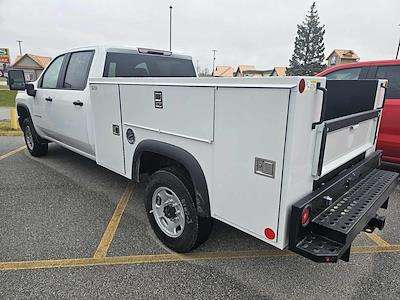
[349, 123]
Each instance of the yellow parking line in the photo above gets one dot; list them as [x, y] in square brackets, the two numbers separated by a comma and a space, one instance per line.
[12, 152]
[378, 240]
[173, 257]
[112, 226]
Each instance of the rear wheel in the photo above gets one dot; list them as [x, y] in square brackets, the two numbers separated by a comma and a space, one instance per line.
[172, 212]
[33, 141]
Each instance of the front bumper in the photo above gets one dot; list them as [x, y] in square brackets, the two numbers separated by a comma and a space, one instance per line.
[340, 210]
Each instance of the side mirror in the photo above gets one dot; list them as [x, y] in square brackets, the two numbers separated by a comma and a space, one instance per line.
[16, 80]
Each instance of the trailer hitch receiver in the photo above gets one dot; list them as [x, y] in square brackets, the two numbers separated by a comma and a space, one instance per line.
[375, 222]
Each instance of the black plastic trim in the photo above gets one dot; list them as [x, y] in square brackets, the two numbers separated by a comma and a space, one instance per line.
[324, 102]
[183, 157]
[322, 151]
[346, 121]
[22, 106]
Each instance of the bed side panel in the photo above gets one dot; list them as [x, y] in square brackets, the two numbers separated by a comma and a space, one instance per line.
[250, 123]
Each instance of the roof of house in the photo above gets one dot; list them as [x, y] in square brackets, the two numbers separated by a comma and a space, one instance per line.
[223, 71]
[42, 61]
[242, 68]
[280, 71]
[344, 53]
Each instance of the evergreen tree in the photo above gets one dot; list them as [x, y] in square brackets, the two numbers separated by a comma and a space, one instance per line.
[308, 56]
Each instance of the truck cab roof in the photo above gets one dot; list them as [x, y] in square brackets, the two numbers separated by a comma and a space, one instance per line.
[130, 49]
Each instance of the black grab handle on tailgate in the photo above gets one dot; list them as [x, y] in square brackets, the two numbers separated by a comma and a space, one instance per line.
[324, 101]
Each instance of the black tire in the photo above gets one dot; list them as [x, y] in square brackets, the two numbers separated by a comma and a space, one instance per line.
[205, 224]
[34, 143]
[196, 229]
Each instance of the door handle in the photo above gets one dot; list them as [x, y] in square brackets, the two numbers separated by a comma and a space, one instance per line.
[49, 99]
[77, 102]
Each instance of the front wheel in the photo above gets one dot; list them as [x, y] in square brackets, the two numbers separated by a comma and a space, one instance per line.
[33, 141]
[172, 213]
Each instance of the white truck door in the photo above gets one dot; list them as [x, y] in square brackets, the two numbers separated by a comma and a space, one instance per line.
[67, 112]
[45, 93]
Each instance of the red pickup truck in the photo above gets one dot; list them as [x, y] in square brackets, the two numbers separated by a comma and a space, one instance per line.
[389, 134]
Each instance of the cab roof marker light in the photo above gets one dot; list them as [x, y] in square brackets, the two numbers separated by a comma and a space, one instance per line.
[154, 51]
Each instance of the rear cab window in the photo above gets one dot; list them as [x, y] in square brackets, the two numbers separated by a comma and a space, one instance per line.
[147, 65]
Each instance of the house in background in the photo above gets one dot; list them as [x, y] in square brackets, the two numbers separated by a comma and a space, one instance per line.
[241, 68]
[223, 71]
[257, 73]
[342, 56]
[33, 65]
[279, 71]
[247, 71]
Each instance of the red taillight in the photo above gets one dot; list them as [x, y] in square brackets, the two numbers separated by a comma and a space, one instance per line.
[269, 233]
[302, 85]
[305, 216]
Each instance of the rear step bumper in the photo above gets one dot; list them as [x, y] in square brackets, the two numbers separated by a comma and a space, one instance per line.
[340, 210]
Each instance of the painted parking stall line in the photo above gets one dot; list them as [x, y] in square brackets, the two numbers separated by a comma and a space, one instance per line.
[12, 152]
[112, 226]
[378, 240]
[172, 257]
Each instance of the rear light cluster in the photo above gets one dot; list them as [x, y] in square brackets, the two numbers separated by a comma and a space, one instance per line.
[302, 85]
[305, 216]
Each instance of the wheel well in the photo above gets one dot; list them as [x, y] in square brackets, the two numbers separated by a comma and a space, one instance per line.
[151, 155]
[23, 113]
[151, 162]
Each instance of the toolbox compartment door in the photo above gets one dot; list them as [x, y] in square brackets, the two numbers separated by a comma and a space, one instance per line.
[106, 108]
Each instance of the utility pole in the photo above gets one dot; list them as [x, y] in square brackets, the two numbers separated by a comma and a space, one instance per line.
[398, 47]
[170, 27]
[19, 45]
[213, 62]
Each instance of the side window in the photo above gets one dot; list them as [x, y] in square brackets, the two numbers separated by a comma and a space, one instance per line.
[50, 77]
[78, 70]
[391, 73]
[345, 74]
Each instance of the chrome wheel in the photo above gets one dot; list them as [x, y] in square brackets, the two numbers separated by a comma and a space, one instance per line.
[28, 138]
[168, 212]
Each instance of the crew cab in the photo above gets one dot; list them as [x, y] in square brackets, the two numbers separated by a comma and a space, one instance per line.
[285, 160]
[389, 133]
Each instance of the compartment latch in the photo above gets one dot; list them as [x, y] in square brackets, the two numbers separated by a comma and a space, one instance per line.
[264, 167]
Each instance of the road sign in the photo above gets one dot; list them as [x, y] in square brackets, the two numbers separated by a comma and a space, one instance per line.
[4, 55]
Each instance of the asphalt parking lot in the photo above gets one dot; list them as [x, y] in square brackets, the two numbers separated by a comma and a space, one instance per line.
[72, 229]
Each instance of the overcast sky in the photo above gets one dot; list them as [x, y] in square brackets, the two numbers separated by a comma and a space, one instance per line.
[257, 32]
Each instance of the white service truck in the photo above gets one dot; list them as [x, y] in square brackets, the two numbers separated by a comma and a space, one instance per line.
[288, 160]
